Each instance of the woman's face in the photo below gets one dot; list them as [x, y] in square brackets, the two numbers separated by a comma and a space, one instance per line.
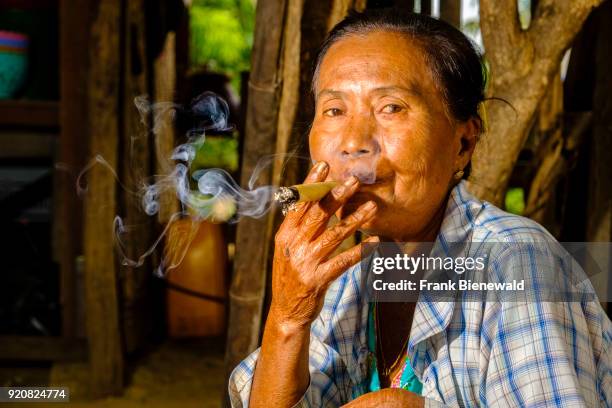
[380, 116]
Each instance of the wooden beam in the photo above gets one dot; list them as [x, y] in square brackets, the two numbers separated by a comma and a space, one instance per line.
[29, 113]
[103, 327]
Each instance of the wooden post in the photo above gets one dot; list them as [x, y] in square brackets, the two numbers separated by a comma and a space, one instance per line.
[253, 237]
[599, 210]
[103, 328]
[136, 167]
[164, 86]
[426, 7]
[74, 33]
[450, 11]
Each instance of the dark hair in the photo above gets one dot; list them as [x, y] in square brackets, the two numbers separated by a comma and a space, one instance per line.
[455, 63]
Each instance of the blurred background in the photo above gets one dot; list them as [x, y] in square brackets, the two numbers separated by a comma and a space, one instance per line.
[72, 314]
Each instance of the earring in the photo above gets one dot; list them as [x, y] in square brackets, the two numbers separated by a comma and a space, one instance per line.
[459, 174]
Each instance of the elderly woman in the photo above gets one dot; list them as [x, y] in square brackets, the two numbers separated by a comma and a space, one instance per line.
[400, 95]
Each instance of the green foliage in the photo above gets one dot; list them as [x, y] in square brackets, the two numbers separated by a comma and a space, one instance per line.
[515, 200]
[222, 35]
[221, 152]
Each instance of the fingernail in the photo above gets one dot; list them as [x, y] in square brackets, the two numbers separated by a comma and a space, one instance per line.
[339, 190]
[351, 181]
[370, 205]
[321, 166]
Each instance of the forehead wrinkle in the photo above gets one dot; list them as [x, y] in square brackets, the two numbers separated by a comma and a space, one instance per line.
[331, 92]
[341, 89]
[357, 63]
[356, 74]
[413, 89]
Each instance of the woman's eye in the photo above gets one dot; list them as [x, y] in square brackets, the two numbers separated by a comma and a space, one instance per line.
[391, 108]
[332, 112]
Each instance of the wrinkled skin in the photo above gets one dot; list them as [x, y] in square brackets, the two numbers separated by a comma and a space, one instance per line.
[377, 108]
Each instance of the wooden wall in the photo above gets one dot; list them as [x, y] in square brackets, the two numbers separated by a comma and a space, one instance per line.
[112, 52]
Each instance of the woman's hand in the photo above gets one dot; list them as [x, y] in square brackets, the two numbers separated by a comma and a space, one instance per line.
[301, 273]
[388, 398]
[302, 270]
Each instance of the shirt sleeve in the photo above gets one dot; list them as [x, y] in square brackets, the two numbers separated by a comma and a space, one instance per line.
[549, 353]
[327, 375]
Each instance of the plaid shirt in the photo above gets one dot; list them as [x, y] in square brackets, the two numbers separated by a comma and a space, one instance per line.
[467, 353]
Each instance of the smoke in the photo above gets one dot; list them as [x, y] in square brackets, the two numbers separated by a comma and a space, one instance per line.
[363, 169]
[209, 194]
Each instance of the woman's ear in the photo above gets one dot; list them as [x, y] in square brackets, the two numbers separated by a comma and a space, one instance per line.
[467, 133]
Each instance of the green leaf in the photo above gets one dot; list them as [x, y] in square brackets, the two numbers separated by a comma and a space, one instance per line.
[219, 152]
[222, 36]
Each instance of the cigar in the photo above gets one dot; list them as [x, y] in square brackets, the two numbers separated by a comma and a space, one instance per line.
[288, 197]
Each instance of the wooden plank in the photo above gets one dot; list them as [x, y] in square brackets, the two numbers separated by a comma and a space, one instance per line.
[38, 348]
[164, 84]
[29, 113]
[103, 327]
[135, 169]
[19, 144]
[290, 92]
[71, 153]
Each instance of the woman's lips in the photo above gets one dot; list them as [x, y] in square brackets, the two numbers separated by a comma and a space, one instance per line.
[379, 181]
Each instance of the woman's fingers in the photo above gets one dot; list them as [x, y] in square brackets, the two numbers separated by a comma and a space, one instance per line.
[339, 195]
[332, 269]
[317, 217]
[317, 173]
[327, 242]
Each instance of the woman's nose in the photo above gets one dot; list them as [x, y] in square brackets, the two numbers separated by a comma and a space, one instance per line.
[358, 141]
